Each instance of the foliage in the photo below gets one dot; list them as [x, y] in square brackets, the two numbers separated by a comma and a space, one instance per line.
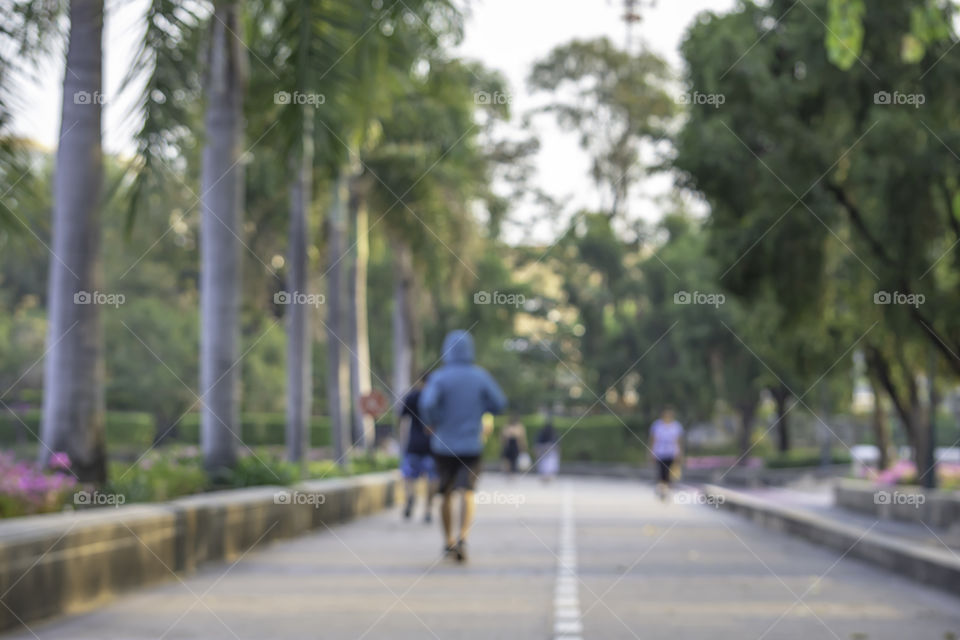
[806, 457]
[172, 471]
[162, 474]
[261, 468]
[127, 430]
[26, 490]
[258, 429]
[617, 102]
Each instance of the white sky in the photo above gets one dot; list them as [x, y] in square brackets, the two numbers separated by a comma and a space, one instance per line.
[508, 35]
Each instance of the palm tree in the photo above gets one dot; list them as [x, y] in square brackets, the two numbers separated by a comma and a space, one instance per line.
[307, 44]
[222, 183]
[384, 70]
[360, 374]
[405, 332]
[73, 401]
[338, 371]
[432, 171]
[299, 344]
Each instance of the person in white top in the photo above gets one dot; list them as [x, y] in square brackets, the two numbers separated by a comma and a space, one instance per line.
[666, 448]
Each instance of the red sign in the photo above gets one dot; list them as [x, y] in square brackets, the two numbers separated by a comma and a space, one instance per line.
[374, 404]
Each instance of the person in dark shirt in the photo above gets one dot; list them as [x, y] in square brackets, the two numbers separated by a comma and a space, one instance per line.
[417, 458]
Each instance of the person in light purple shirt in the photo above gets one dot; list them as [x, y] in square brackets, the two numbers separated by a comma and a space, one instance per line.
[666, 448]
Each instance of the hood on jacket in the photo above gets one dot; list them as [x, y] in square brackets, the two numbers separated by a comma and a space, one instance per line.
[458, 348]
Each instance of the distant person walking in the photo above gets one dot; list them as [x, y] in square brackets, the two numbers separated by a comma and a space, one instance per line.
[513, 444]
[666, 447]
[453, 403]
[417, 458]
[548, 452]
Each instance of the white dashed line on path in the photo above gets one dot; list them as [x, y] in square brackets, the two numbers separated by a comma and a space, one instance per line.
[566, 602]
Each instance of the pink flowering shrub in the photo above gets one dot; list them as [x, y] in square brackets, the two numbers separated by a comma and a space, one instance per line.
[26, 489]
[905, 472]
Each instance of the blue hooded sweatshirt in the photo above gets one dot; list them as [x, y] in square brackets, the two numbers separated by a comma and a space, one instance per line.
[456, 397]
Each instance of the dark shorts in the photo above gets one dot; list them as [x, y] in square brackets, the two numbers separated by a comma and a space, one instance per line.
[457, 472]
[664, 465]
[416, 465]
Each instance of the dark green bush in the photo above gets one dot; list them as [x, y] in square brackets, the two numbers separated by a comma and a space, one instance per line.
[806, 457]
[132, 429]
[258, 429]
[262, 468]
[593, 438]
[162, 474]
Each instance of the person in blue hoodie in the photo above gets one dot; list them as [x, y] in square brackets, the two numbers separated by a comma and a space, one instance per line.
[452, 404]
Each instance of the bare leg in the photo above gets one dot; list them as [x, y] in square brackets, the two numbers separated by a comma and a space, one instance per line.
[431, 489]
[466, 513]
[410, 489]
[446, 516]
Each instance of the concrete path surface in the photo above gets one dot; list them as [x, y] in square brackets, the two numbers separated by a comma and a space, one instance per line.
[578, 558]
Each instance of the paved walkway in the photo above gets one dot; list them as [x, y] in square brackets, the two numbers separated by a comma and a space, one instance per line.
[578, 558]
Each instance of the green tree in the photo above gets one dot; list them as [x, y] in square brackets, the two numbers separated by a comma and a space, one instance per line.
[805, 162]
[616, 101]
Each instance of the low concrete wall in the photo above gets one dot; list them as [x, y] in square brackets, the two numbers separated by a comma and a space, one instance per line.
[912, 504]
[934, 567]
[66, 562]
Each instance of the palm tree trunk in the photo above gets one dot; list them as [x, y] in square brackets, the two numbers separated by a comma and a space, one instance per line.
[299, 371]
[360, 379]
[338, 373]
[222, 184]
[402, 326]
[73, 401]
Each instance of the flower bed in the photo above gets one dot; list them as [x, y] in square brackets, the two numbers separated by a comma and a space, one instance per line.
[162, 474]
[26, 489]
[904, 472]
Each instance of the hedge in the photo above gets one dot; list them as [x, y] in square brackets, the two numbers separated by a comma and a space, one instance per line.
[125, 428]
[593, 438]
[259, 429]
[806, 457]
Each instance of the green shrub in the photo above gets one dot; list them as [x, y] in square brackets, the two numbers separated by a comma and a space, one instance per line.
[262, 468]
[162, 474]
[806, 457]
[592, 438]
[364, 464]
[133, 429]
[259, 429]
